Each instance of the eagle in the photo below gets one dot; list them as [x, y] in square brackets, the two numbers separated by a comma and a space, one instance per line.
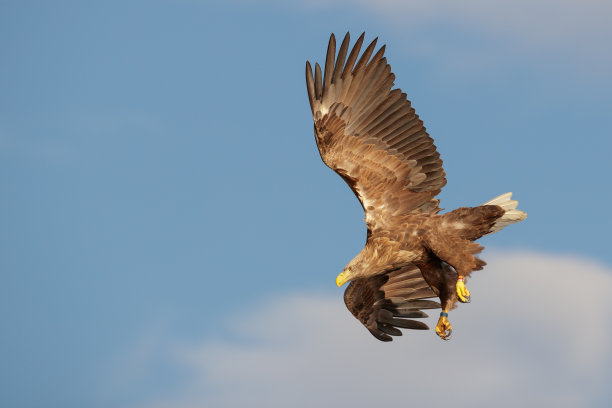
[371, 136]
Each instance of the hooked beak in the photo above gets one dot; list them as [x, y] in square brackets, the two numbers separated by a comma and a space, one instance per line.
[341, 279]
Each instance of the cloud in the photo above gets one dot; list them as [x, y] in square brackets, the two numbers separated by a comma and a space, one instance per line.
[540, 20]
[537, 333]
[575, 32]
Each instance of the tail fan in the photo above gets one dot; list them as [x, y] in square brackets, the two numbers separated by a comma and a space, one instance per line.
[511, 214]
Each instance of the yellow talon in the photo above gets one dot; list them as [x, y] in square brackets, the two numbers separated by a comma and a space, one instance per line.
[443, 327]
[462, 292]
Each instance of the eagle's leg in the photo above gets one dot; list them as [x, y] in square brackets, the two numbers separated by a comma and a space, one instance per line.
[462, 292]
[444, 328]
[442, 278]
[460, 254]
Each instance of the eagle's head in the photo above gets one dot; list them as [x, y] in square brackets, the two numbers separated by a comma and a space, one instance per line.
[372, 260]
[351, 271]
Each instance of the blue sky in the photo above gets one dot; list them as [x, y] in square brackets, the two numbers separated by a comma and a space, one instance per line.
[160, 179]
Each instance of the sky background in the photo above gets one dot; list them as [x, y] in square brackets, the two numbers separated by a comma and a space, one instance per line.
[169, 236]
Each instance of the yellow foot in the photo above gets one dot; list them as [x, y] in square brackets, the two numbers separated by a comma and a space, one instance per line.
[444, 328]
[462, 292]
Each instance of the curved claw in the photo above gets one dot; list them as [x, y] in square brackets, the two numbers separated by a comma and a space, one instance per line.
[468, 299]
[446, 337]
[444, 330]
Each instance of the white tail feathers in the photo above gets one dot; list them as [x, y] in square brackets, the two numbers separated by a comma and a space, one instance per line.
[511, 215]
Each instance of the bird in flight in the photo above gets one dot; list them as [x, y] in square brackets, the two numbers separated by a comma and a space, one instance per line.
[371, 136]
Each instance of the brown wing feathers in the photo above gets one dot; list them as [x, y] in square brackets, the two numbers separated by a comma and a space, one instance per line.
[385, 302]
[371, 135]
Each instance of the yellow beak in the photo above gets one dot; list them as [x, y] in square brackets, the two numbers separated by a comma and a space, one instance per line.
[341, 279]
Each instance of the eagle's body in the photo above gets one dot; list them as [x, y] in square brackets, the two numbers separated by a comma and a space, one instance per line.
[371, 136]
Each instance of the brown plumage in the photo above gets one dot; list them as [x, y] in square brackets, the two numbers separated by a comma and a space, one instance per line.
[371, 136]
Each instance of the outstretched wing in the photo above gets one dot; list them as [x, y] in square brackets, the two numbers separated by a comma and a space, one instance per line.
[371, 136]
[384, 302]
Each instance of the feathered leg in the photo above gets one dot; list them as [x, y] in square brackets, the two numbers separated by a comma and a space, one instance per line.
[460, 254]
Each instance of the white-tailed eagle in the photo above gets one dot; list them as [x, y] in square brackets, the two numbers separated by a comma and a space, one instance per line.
[371, 136]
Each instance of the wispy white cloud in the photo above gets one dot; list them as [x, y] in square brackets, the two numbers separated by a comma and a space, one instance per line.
[573, 32]
[536, 333]
[539, 21]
